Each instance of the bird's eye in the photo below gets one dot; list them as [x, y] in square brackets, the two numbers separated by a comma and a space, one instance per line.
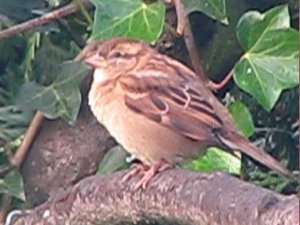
[98, 53]
[116, 55]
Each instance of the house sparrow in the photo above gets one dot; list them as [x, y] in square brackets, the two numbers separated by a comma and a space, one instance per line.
[158, 109]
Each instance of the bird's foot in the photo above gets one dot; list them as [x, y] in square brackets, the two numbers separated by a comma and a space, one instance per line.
[136, 168]
[147, 171]
[148, 174]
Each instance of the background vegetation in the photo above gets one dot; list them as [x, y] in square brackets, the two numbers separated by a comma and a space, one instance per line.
[256, 41]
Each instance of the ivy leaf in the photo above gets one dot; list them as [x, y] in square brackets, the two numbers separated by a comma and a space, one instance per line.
[242, 118]
[13, 185]
[114, 159]
[46, 59]
[216, 159]
[12, 122]
[130, 18]
[270, 63]
[215, 9]
[60, 99]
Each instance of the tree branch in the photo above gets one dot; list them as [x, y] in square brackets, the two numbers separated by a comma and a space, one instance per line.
[29, 136]
[184, 27]
[54, 15]
[172, 197]
[61, 154]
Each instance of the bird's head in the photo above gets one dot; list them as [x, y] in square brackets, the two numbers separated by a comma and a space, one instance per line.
[115, 56]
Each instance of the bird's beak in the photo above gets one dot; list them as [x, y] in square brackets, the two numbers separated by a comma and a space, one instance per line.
[94, 60]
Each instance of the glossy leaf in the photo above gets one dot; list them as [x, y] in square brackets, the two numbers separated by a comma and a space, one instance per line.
[60, 99]
[242, 118]
[270, 63]
[130, 18]
[13, 185]
[216, 159]
[215, 9]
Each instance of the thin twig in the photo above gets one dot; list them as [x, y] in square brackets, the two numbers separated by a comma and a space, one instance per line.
[181, 17]
[169, 28]
[217, 86]
[184, 23]
[54, 15]
[184, 27]
[76, 37]
[30, 134]
[84, 12]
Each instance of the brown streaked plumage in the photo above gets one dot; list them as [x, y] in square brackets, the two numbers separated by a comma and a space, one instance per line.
[158, 109]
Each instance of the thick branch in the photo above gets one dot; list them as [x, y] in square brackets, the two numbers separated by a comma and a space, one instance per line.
[173, 197]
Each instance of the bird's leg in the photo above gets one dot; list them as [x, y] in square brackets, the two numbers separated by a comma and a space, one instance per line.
[136, 168]
[148, 174]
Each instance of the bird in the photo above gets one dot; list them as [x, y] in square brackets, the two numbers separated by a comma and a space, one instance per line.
[158, 109]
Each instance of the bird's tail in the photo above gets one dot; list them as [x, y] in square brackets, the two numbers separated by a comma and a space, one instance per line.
[236, 141]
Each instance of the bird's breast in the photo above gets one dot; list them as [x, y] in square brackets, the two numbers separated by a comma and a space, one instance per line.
[146, 139]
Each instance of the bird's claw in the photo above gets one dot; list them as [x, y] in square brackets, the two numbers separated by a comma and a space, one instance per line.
[146, 171]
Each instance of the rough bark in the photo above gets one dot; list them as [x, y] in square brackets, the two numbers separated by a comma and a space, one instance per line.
[61, 154]
[172, 197]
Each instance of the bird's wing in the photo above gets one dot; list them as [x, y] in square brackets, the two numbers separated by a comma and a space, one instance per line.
[173, 103]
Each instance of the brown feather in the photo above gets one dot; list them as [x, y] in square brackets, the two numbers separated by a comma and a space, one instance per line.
[192, 117]
[175, 103]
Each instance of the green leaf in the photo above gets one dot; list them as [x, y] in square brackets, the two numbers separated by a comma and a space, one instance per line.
[60, 99]
[216, 159]
[270, 63]
[18, 11]
[12, 122]
[13, 185]
[215, 9]
[12, 47]
[242, 118]
[47, 57]
[130, 18]
[32, 45]
[113, 160]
